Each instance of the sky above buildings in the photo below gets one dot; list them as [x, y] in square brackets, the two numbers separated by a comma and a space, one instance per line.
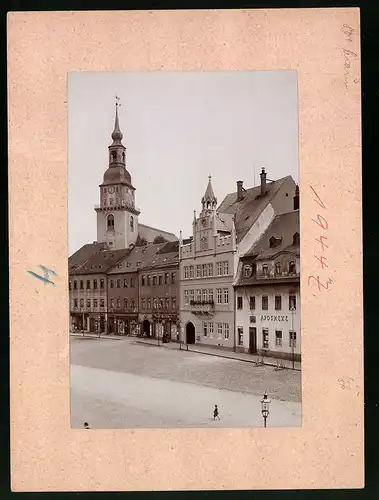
[178, 128]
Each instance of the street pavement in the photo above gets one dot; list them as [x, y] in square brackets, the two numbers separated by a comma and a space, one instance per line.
[123, 384]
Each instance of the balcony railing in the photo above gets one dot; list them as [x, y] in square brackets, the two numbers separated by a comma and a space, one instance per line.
[202, 306]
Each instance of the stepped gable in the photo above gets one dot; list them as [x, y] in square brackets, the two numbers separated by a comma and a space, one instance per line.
[83, 254]
[102, 261]
[247, 210]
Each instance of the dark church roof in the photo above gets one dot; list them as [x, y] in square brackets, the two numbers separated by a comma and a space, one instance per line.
[247, 210]
[117, 175]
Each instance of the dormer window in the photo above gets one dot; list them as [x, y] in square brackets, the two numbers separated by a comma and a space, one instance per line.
[247, 271]
[292, 267]
[265, 270]
[274, 242]
[278, 268]
[296, 239]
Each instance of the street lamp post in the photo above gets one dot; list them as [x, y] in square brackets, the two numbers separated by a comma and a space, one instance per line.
[292, 335]
[265, 404]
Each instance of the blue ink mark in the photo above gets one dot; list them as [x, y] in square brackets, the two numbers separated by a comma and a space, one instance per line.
[46, 276]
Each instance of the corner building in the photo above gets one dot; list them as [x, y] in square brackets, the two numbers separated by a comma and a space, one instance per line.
[209, 258]
[268, 291]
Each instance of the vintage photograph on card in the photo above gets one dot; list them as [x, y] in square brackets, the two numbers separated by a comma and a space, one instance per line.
[184, 250]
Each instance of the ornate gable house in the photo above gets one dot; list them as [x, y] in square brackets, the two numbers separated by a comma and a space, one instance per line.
[268, 291]
[209, 260]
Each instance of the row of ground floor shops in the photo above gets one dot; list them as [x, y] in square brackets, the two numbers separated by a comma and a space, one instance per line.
[117, 324]
[168, 327]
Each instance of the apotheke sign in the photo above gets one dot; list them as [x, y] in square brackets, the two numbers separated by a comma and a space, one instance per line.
[265, 317]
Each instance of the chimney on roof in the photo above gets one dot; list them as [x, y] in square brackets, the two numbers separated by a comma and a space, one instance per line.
[296, 199]
[263, 181]
[239, 190]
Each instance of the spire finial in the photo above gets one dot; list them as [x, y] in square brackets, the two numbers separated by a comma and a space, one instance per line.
[117, 134]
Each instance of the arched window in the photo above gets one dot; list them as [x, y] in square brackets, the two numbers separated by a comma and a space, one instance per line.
[113, 156]
[123, 156]
[110, 222]
[131, 223]
[296, 239]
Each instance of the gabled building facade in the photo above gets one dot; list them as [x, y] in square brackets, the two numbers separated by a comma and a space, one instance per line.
[159, 293]
[209, 260]
[88, 291]
[123, 290]
[268, 291]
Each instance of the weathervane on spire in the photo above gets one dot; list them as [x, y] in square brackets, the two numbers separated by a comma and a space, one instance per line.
[118, 103]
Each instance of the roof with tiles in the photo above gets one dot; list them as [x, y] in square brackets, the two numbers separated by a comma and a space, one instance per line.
[171, 246]
[83, 254]
[102, 261]
[161, 260]
[282, 229]
[247, 210]
[136, 258]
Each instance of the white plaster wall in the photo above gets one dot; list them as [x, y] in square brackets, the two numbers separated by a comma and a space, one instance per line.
[122, 237]
[284, 324]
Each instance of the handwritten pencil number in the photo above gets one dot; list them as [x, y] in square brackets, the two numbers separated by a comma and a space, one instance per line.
[319, 284]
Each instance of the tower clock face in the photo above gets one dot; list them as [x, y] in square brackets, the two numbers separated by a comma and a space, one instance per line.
[111, 190]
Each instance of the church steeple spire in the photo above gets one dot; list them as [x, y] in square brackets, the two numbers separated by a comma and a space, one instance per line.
[209, 200]
[117, 134]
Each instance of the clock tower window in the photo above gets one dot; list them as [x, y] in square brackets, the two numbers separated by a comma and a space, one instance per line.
[113, 156]
[110, 222]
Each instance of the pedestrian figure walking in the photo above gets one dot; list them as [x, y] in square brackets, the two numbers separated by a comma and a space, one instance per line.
[86, 426]
[215, 413]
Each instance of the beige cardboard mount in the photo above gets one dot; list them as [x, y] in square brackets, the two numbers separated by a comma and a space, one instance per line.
[323, 46]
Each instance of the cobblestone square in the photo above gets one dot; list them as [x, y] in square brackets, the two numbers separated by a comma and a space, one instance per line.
[123, 384]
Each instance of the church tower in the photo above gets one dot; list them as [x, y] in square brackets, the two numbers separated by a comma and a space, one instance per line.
[117, 216]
